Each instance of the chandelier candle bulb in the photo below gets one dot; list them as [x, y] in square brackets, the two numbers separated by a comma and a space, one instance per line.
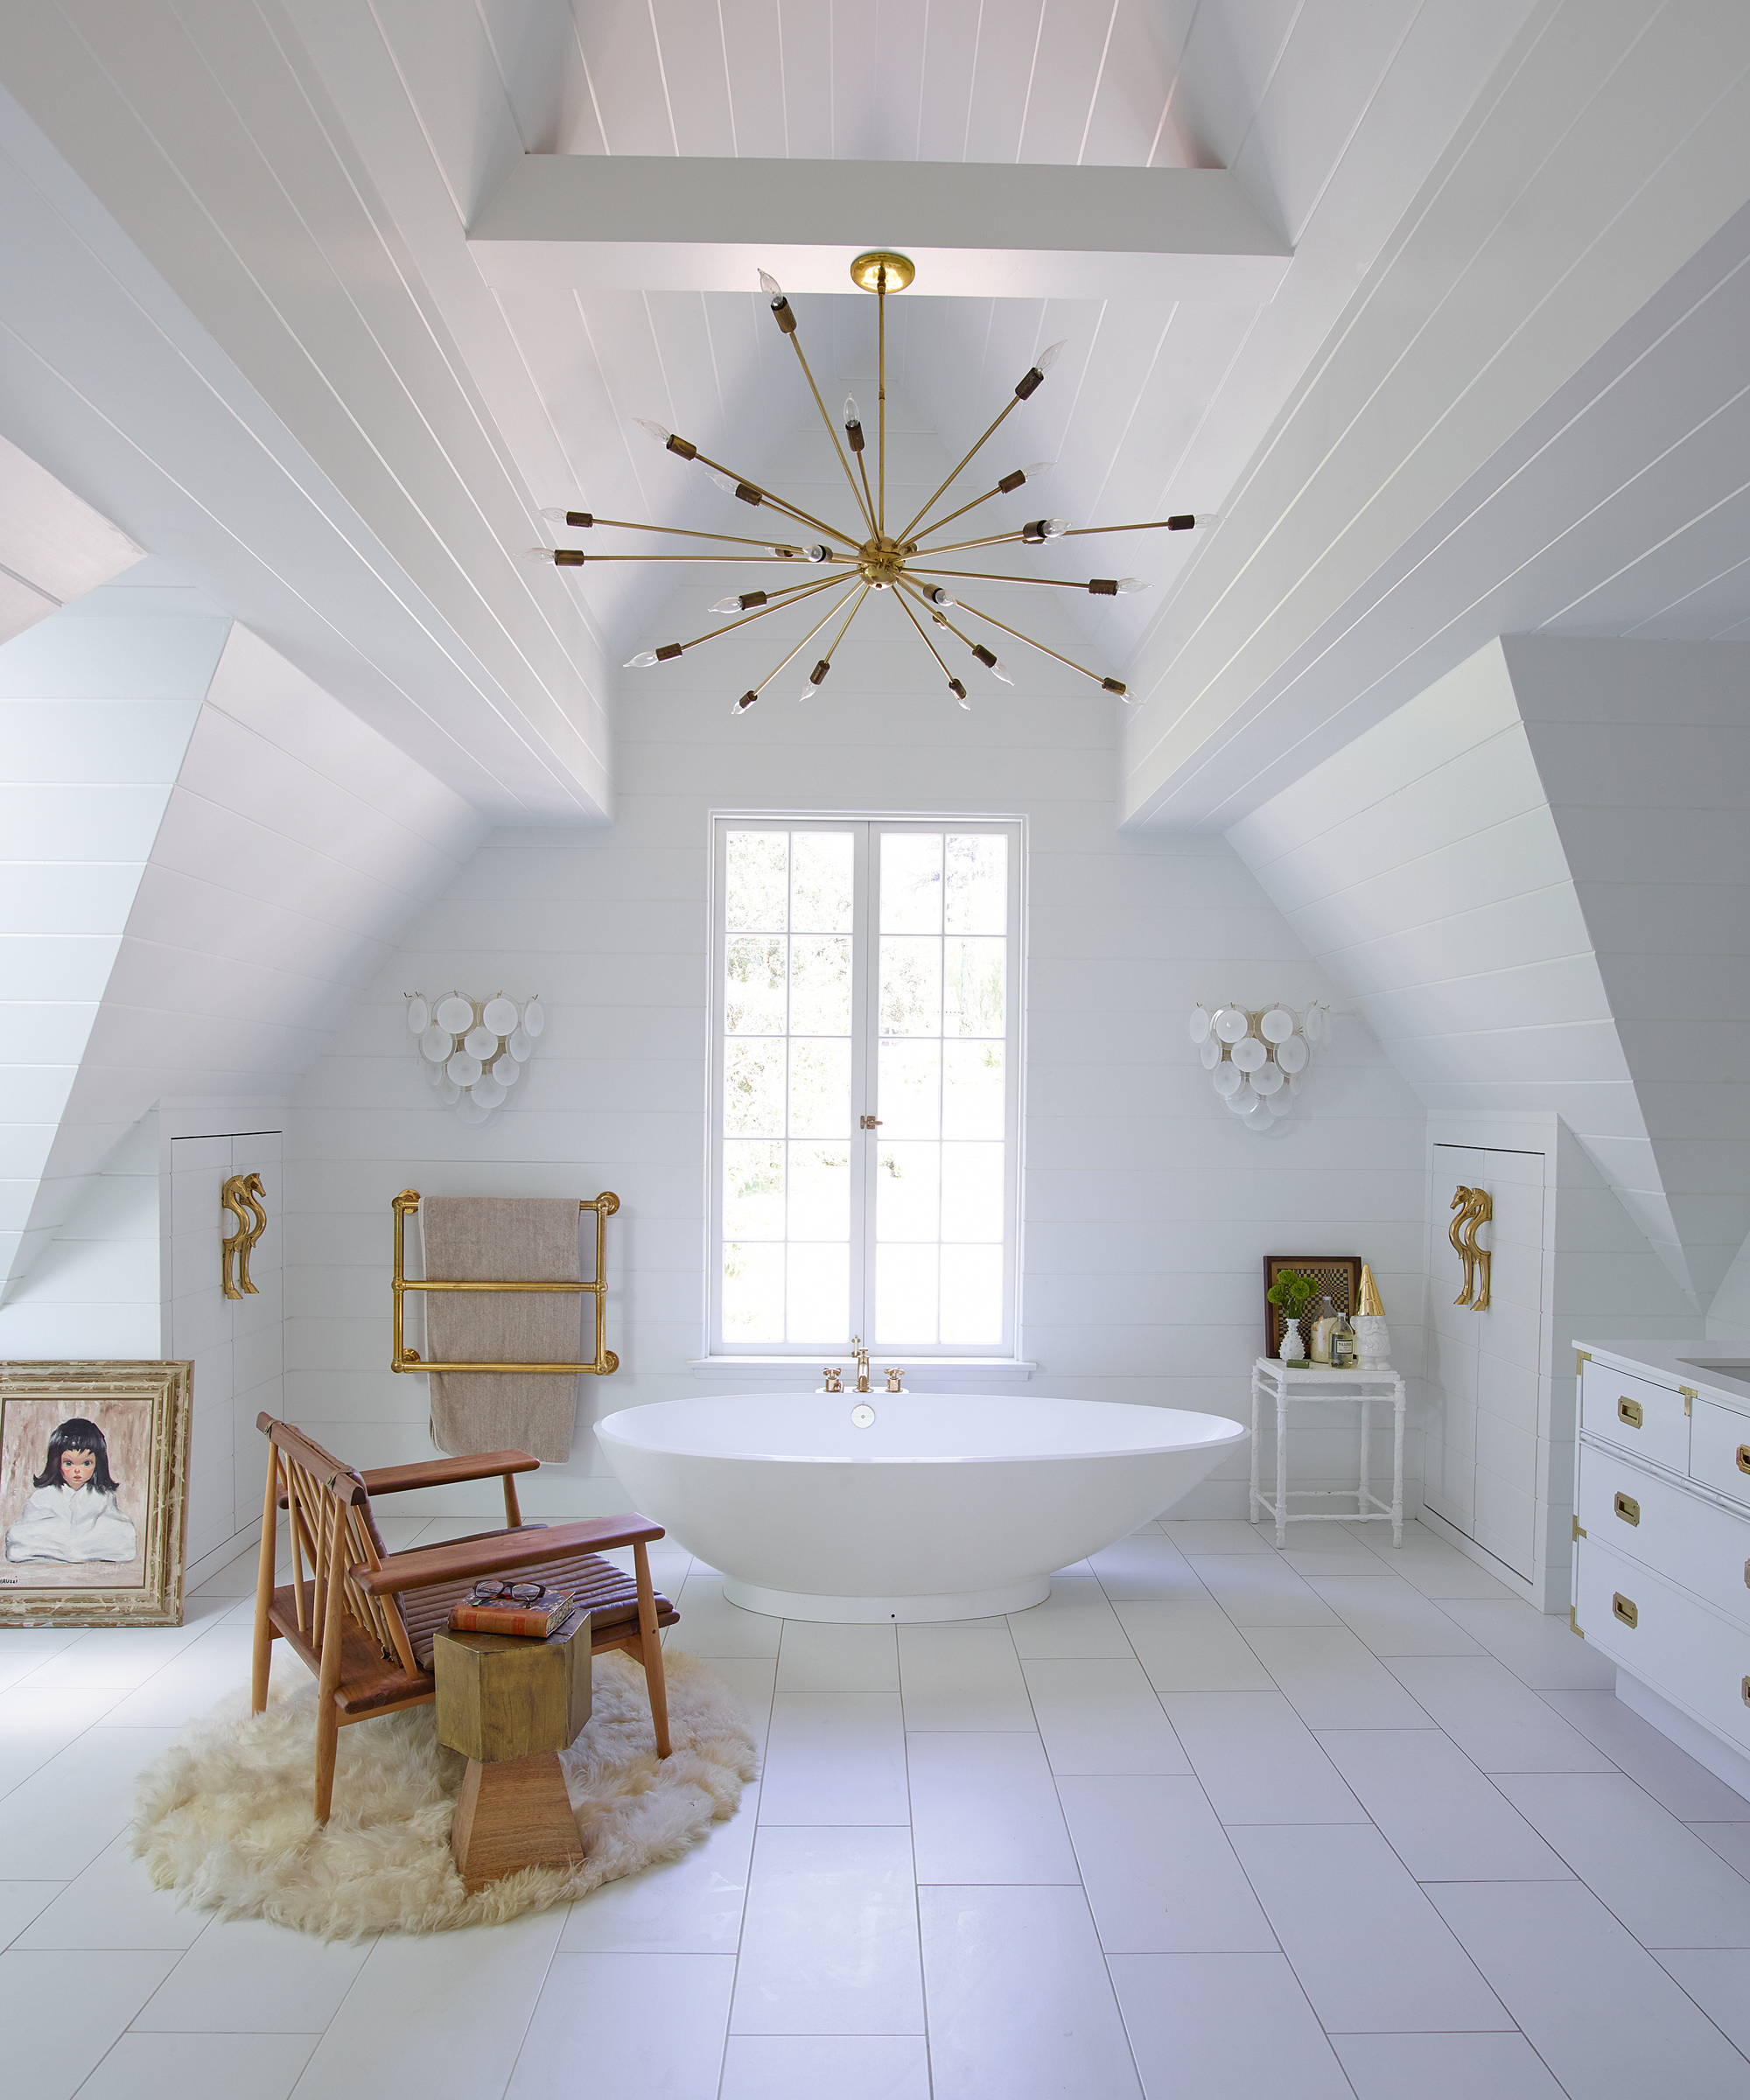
[853, 424]
[643, 661]
[781, 309]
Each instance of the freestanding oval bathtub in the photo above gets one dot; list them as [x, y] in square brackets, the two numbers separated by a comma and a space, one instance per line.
[942, 1506]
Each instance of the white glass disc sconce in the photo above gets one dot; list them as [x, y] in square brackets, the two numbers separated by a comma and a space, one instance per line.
[1257, 1059]
[472, 1050]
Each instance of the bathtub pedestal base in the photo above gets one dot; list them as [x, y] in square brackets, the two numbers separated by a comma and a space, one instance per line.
[884, 1611]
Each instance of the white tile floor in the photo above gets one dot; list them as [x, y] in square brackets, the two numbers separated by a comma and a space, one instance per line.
[1215, 1821]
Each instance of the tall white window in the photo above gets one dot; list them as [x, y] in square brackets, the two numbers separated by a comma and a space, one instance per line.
[866, 1073]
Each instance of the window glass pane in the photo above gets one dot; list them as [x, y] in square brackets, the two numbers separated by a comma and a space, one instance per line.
[972, 1090]
[752, 1293]
[972, 987]
[820, 992]
[753, 1089]
[972, 1294]
[821, 880]
[907, 1205]
[820, 1294]
[753, 1190]
[978, 886]
[820, 1088]
[910, 987]
[754, 994]
[909, 1095]
[820, 1192]
[972, 1192]
[759, 875]
[905, 1295]
[911, 882]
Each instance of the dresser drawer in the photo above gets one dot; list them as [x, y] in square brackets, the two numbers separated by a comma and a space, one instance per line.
[1720, 1450]
[1644, 1419]
[1666, 1529]
[1663, 1636]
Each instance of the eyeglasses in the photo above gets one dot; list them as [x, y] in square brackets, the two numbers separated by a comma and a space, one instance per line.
[513, 1593]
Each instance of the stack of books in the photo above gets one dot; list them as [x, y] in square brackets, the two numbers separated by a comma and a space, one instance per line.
[533, 1610]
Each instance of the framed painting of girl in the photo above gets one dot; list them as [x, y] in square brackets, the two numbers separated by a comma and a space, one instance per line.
[93, 1489]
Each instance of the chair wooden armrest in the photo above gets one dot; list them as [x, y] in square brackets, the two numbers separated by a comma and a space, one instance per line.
[459, 1559]
[444, 1473]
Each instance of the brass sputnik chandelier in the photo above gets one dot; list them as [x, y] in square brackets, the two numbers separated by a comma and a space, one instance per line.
[870, 558]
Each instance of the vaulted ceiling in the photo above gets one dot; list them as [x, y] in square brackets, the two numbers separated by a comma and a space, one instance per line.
[1433, 310]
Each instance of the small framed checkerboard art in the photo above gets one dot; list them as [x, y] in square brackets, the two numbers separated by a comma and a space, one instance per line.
[1337, 1276]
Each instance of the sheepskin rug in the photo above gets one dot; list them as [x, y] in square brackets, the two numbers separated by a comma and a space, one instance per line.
[224, 1815]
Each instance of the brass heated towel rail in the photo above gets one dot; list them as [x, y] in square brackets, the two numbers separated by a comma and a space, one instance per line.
[404, 1359]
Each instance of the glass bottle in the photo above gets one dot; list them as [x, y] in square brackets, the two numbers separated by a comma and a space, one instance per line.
[1344, 1350]
[1319, 1347]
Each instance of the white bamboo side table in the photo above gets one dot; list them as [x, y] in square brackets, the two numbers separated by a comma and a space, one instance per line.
[1321, 1383]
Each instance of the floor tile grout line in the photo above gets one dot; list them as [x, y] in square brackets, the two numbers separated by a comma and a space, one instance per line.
[753, 1848]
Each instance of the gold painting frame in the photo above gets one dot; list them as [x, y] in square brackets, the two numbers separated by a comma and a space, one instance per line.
[146, 1407]
[1337, 1276]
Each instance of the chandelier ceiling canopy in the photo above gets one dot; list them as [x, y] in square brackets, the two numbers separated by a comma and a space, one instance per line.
[908, 561]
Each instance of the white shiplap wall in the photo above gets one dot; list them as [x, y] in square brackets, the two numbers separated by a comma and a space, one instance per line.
[1147, 1209]
[1532, 880]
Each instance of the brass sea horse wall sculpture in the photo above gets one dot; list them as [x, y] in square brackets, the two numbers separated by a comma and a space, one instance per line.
[1478, 1208]
[245, 1198]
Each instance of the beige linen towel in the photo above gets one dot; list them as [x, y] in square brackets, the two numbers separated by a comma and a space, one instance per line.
[501, 1239]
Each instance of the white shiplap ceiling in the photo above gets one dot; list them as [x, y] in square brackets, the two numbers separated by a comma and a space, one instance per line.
[1330, 114]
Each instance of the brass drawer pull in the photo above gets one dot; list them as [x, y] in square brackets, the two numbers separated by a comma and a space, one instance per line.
[1744, 1458]
[1629, 1411]
[1625, 1609]
[1745, 1689]
[1629, 1509]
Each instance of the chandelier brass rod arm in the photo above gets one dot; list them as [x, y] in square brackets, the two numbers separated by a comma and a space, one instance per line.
[995, 539]
[831, 429]
[991, 619]
[961, 512]
[794, 597]
[856, 606]
[1080, 532]
[806, 517]
[900, 597]
[800, 647]
[688, 532]
[943, 487]
[868, 492]
[881, 398]
[789, 560]
[935, 614]
[989, 576]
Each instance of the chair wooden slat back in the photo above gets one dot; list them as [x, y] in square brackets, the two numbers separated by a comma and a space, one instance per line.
[332, 1532]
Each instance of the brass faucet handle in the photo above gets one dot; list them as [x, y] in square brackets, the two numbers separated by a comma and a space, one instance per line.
[894, 1385]
[832, 1375]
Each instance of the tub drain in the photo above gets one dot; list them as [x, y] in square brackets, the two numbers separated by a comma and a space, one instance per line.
[862, 1417]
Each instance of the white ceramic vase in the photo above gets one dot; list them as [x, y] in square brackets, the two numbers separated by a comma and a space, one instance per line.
[1373, 1342]
[1292, 1349]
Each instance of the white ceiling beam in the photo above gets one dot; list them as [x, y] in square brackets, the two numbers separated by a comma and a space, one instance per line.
[602, 222]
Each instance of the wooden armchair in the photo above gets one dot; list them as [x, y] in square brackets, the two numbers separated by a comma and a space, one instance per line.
[362, 1620]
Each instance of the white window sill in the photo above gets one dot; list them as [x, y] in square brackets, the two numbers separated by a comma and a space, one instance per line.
[957, 1371]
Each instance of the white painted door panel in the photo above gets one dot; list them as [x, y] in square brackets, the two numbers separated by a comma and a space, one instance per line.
[1482, 1461]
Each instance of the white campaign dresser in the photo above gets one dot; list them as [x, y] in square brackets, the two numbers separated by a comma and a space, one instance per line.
[1661, 1537]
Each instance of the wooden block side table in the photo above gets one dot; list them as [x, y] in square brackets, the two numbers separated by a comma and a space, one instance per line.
[1320, 1383]
[510, 1706]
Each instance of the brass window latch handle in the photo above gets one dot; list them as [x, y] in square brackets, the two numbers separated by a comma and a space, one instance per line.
[868, 1123]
